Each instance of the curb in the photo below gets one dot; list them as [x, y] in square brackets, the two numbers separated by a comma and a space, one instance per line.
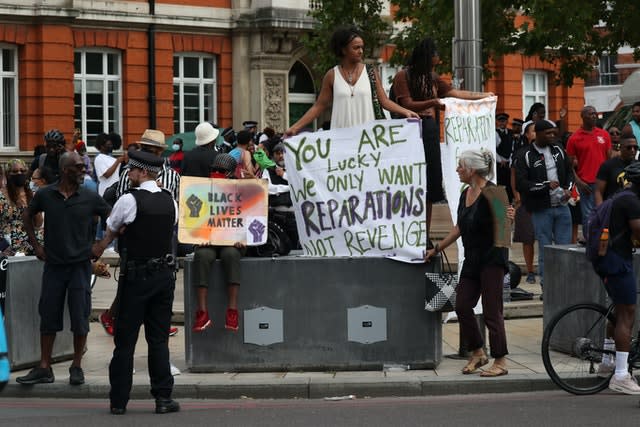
[297, 388]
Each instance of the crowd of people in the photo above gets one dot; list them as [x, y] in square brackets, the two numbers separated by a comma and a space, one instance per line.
[68, 210]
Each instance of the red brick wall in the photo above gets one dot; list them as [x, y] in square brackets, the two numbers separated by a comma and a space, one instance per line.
[45, 58]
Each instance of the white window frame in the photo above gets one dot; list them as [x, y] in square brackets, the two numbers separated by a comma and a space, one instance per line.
[201, 81]
[538, 94]
[106, 78]
[16, 113]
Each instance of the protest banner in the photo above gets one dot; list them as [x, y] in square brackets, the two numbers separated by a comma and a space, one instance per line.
[360, 191]
[222, 211]
[468, 125]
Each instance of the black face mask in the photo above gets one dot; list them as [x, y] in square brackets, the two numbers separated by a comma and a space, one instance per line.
[18, 180]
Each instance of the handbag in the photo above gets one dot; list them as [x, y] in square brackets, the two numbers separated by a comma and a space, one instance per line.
[440, 289]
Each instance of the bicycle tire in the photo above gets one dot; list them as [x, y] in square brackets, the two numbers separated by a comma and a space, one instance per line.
[572, 348]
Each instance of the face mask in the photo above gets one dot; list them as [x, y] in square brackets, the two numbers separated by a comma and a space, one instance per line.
[18, 180]
[175, 147]
[33, 186]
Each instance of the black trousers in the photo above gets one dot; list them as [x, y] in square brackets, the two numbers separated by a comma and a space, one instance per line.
[503, 177]
[146, 297]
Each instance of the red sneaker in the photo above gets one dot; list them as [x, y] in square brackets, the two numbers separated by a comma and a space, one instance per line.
[231, 321]
[202, 321]
[173, 331]
[107, 322]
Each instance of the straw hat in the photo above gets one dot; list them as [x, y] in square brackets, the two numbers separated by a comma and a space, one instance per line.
[154, 138]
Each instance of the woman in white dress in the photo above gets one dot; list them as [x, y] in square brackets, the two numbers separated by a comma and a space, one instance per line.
[347, 87]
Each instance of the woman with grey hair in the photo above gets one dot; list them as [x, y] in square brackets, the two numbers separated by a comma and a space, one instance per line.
[484, 264]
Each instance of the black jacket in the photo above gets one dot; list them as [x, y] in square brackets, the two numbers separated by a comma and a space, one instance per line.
[198, 161]
[531, 175]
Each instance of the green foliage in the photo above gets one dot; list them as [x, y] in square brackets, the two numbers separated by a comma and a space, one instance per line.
[568, 33]
[365, 14]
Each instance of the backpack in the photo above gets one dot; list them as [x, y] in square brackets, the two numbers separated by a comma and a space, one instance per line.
[598, 221]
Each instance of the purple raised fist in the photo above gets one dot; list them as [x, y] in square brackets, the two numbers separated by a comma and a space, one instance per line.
[256, 228]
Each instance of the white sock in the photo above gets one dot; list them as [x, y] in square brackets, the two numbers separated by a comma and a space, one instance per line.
[609, 344]
[622, 367]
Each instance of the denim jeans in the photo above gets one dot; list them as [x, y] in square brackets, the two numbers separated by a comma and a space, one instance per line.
[587, 204]
[552, 226]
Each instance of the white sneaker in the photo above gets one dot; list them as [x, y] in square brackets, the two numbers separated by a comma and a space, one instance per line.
[606, 369]
[174, 369]
[626, 385]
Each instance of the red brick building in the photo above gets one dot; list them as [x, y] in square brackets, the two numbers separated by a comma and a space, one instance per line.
[127, 65]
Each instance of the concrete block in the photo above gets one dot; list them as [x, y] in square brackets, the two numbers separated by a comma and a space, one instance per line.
[315, 295]
[22, 321]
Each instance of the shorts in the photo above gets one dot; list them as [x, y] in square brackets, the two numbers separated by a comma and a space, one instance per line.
[57, 281]
[621, 288]
[523, 231]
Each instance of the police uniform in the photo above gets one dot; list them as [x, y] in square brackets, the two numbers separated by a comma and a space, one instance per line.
[504, 150]
[251, 124]
[145, 291]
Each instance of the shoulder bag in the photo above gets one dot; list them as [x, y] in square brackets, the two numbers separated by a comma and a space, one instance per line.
[377, 108]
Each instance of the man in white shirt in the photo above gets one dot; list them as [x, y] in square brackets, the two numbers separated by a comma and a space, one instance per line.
[105, 165]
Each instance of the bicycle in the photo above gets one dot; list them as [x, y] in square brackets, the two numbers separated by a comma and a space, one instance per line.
[572, 348]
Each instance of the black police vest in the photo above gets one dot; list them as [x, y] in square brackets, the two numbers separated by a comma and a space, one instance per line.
[283, 199]
[150, 234]
[506, 144]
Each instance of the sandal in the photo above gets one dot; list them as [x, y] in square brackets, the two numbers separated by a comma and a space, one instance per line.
[474, 364]
[494, 371]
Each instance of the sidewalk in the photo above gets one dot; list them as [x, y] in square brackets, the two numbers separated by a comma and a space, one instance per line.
[526, 372]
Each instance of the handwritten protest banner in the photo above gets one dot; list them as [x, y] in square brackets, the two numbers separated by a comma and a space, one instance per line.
[222, 211]
[468, 125]
[360, 191]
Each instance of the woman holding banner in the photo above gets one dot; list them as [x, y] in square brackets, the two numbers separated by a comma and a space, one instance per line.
[352, 88]
[418, 88]
[484, 265]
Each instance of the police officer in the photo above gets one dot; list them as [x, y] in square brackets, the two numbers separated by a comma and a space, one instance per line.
[143, 219]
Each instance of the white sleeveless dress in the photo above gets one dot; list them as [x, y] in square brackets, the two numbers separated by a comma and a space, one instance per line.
[352, 105]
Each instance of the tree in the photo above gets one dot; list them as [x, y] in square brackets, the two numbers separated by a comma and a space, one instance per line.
[365, 14]
[574, 35]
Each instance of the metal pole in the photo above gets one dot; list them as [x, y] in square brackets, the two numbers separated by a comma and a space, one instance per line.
[467, 74]
[467, 45]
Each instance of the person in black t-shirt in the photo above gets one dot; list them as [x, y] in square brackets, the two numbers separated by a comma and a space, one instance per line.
[610, 177]
[616, 270]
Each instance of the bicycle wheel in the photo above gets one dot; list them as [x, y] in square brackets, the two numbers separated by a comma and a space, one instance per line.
[572, 348]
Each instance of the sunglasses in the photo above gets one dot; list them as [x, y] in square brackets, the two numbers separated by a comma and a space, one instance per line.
[615, 133]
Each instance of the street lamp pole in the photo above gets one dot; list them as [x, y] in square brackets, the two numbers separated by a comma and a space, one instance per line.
[467, 74]
[467, 46]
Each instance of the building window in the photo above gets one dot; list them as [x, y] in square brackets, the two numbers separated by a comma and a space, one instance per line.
[607, 70]
[97, 84]
[9, 97]
[194, 91]
[301, 92]
[535, 89]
